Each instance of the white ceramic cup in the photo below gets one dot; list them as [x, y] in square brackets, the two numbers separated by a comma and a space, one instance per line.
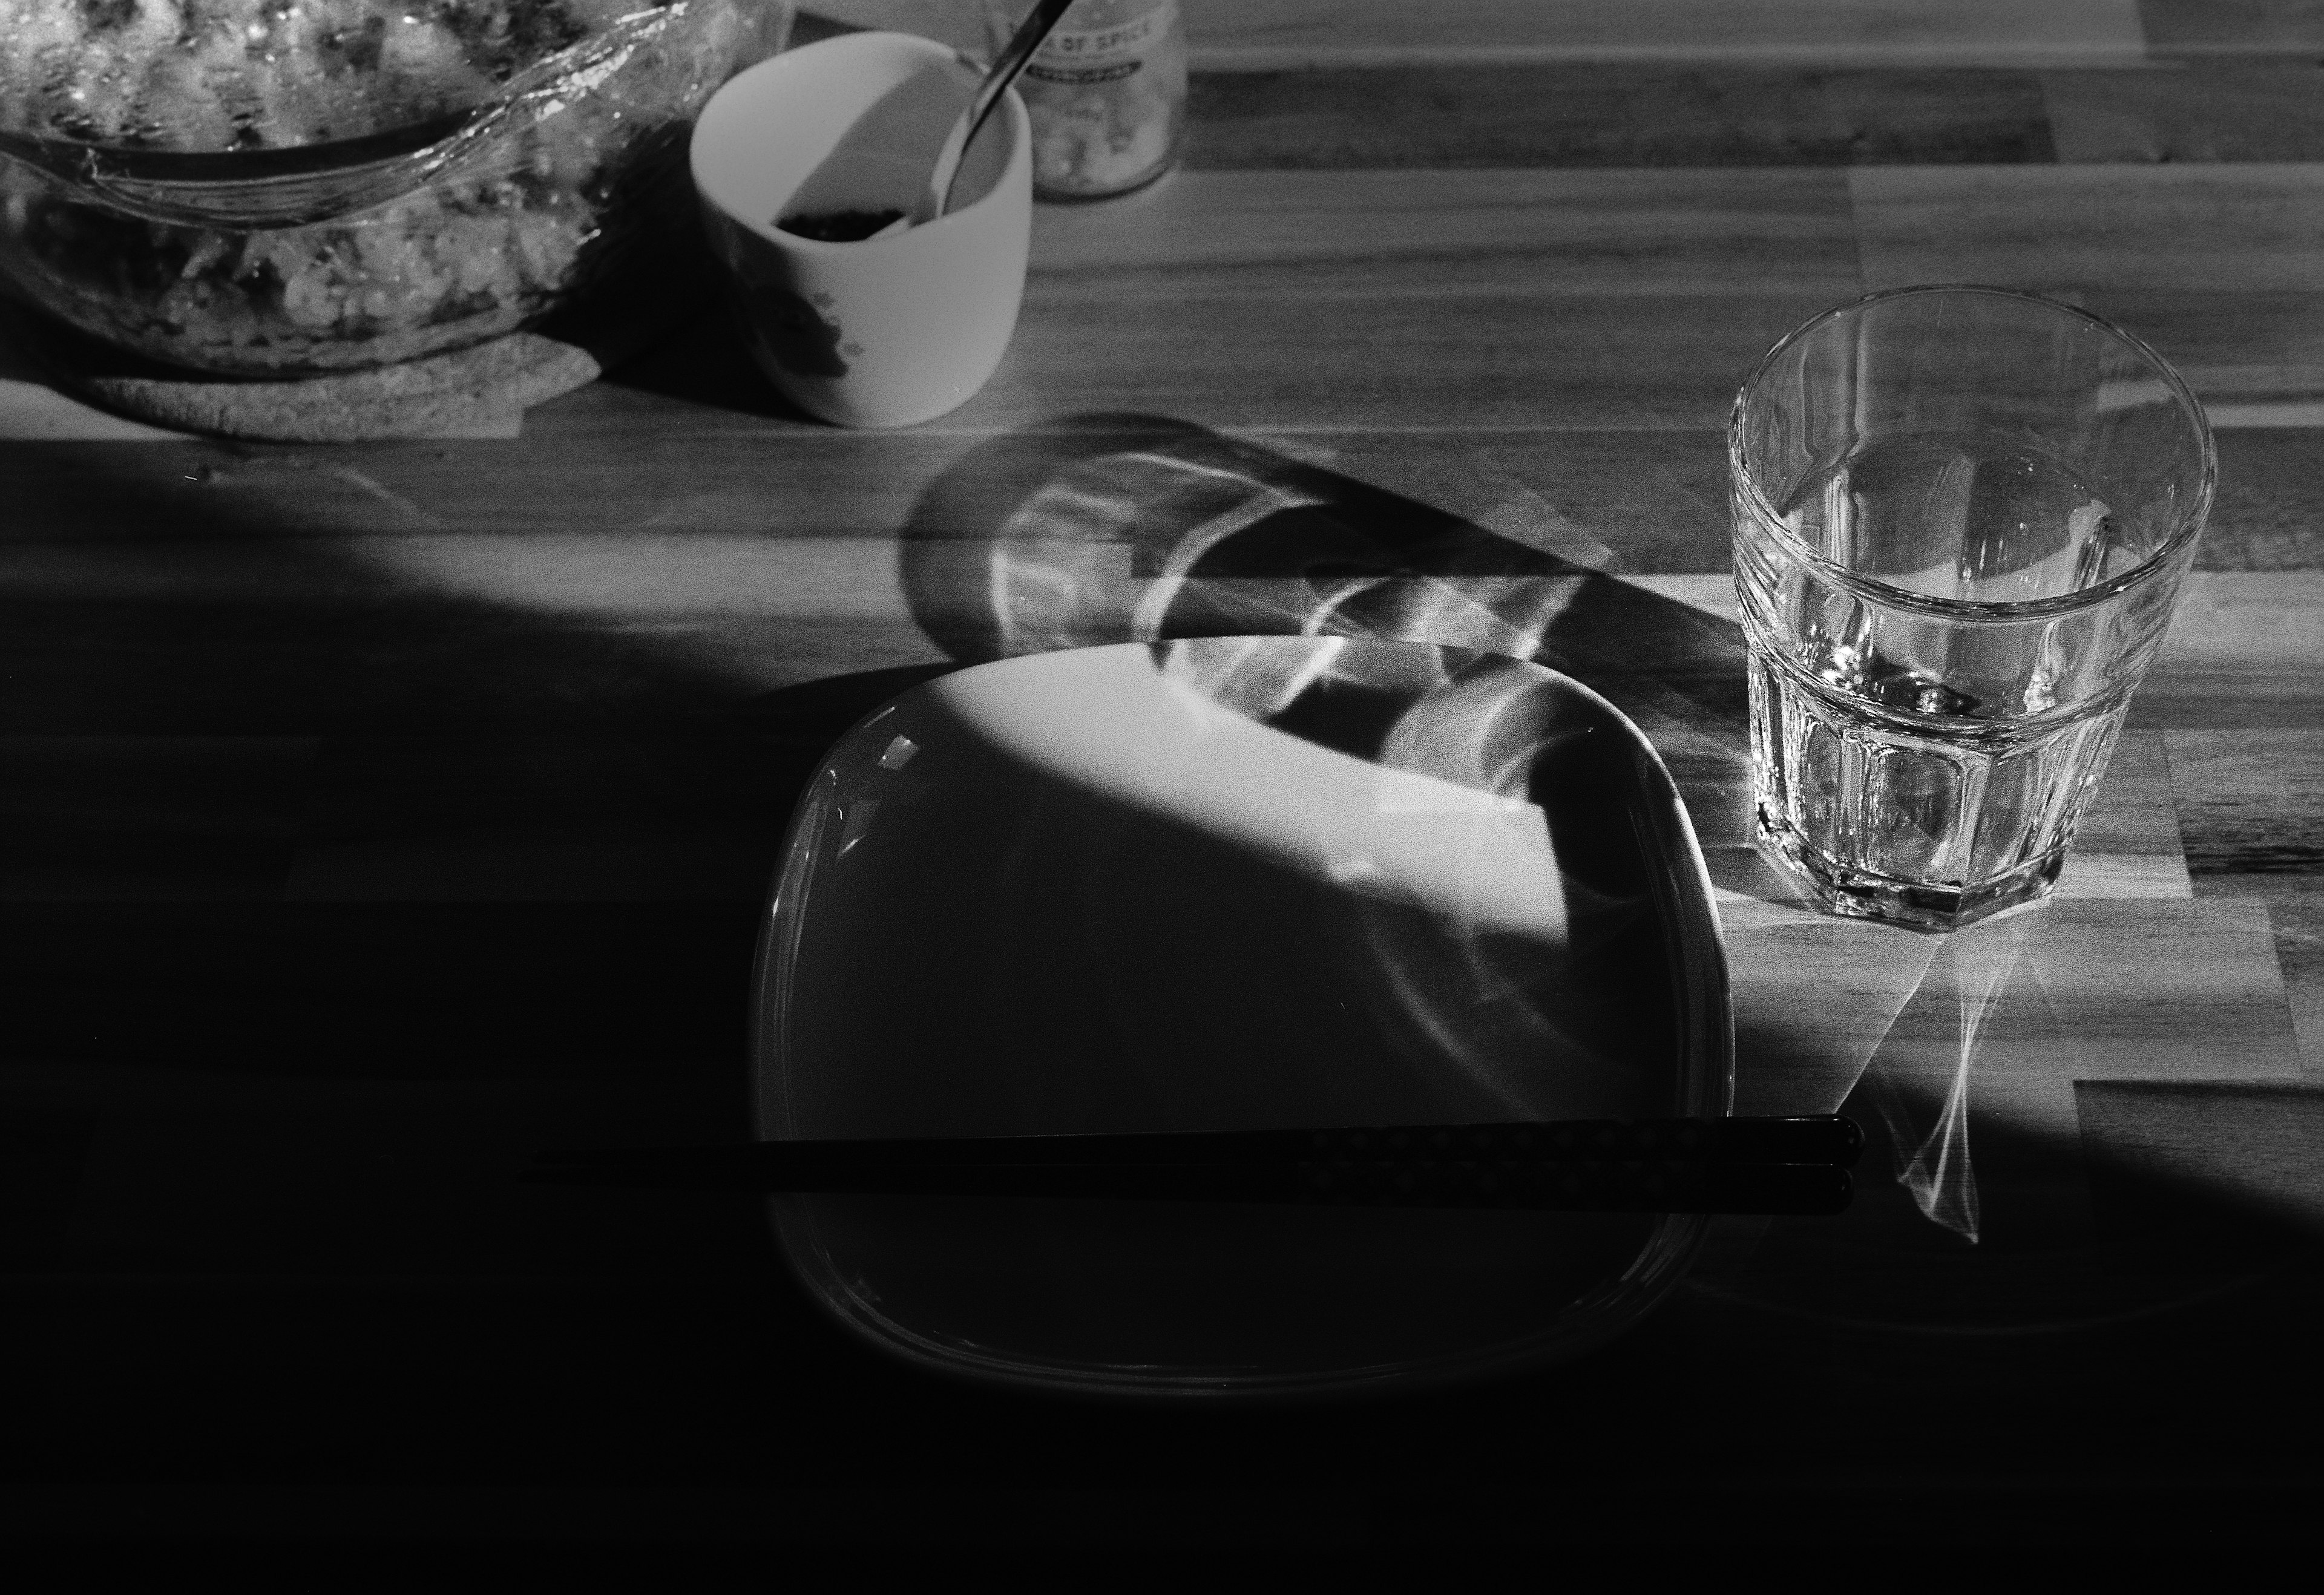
[881, 332]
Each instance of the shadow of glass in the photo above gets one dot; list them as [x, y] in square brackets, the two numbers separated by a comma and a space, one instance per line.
[1919, 1096]
[1108, 527]
[2001, 1193]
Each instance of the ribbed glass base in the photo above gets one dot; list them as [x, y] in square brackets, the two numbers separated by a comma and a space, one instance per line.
[1860, 894]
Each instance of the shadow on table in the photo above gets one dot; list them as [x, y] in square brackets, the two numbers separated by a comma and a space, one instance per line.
[703, 360]
[1109, 528]
[2012, 1183]
[563, 731]
[1117, 527]
[1114, 528]
[1105, 529]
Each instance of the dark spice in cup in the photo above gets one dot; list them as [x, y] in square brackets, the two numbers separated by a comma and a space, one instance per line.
[838, 226]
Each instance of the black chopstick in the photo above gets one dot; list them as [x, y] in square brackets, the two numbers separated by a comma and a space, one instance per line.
[1761, 1165]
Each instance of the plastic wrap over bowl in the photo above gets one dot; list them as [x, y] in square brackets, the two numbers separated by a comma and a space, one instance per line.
[1236, 883]
[311, 186]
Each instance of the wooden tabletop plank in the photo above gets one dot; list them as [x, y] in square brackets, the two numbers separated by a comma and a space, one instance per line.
[1644, 502]
[1430, 299]
[1506, 83]
[2130, 841]
[2231, 27]
[1303, 31]
[2207, 111]
[114, 523]
[2295, 907]
[2244, 650]
[1708, 112]
[1230, 34]
[1578, 300]
[2270, 503]
[2218, 266]
[2097, 230]
[1583, 232]
[1516, 360]
[2209, 1003]
[2255, 1143]
[667, 815]
[2254, 798]
[1623, 114]
[272, 636]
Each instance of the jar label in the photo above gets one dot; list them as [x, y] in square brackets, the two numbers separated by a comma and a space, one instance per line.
[1099, 55]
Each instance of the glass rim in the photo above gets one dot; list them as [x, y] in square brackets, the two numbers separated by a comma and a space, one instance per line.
[2190, 519]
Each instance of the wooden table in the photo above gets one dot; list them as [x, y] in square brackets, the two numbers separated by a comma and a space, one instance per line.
[378, 813]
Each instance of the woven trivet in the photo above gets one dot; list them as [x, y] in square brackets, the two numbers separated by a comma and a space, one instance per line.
[424, 398]
[433, 397]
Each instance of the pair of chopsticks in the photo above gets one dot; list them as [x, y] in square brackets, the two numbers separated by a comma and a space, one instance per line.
[1730, 1166]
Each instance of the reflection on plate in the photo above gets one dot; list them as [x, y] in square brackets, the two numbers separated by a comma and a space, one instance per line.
[1235, 884]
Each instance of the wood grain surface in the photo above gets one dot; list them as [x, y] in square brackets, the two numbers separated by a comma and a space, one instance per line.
[373, 816]
[1225, 33]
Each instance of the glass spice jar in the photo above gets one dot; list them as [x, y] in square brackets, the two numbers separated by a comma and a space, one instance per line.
[1107, 91]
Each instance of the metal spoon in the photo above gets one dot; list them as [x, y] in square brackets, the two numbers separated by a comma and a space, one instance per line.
[936, 198]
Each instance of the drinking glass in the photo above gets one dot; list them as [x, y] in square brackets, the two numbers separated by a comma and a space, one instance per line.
[1961, 515]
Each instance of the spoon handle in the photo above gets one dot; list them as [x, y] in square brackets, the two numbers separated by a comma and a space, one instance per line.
[1011, 61]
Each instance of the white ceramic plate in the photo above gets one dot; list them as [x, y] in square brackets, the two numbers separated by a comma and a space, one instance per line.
[1236, 883]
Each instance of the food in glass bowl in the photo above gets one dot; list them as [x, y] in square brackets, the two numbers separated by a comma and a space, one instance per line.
[271, 188]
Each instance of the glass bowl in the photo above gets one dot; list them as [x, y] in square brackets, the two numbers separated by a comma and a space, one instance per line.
[274, 218]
